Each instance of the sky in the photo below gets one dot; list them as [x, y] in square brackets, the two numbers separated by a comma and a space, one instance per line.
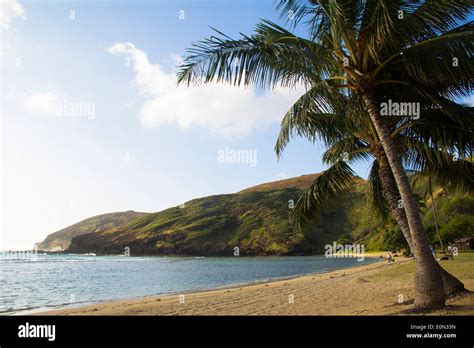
[92, 120]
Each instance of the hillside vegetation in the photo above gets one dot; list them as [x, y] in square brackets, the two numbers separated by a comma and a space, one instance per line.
[61, 239]
[256, 221]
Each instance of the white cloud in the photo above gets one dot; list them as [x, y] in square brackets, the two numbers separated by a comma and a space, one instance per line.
[10, 9]
[43, 102]
[222, 109]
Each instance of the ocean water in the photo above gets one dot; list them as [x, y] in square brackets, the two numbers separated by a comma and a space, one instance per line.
[55, 281]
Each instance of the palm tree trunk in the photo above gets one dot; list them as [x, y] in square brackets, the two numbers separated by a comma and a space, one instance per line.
[451, 284]
[428, 292]
[434, 214]
[391, 195]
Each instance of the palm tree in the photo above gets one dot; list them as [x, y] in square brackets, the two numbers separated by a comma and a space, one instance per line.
[355, 46]
[353, 141]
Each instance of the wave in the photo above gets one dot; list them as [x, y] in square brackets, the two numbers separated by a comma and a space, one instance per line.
[30, 309]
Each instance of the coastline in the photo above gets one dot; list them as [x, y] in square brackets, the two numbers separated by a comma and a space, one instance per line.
[68, 306]
[371, 289]
[33, 310]
[112, 307]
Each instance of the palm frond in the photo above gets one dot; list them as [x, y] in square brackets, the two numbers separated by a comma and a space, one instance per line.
[375, 196]
[444, 165]
[271, 56]
[313, 116]
[431, 18]
[445, 60]
[325, 188]
[348, 149]
[293, 12]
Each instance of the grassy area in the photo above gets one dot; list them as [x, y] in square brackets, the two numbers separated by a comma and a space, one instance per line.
[462, 267]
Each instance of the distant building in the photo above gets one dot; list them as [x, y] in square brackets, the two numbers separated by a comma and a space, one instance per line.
[465, 243]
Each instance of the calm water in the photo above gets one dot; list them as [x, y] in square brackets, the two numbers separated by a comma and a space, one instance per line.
[60, 280]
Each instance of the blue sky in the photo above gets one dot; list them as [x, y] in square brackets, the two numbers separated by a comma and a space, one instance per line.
[147, 145]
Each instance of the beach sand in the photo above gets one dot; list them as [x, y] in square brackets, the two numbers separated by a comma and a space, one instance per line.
[374, 289]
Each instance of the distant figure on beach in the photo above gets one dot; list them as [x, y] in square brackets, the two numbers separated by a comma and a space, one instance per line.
[389, 257]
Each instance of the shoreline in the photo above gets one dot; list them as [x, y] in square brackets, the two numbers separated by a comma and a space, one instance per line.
[371, 289]
[376, 288]
[65, 307]
[279, 297]
[372, 255]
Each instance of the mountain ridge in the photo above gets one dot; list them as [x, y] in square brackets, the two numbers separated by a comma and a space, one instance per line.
[60, 240]
[254, 221]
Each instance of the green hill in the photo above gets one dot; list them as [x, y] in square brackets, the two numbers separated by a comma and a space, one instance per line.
[61, 239]
[256, 220]
[299, 182]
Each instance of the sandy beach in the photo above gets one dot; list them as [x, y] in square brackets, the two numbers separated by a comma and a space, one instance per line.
[380, 288]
